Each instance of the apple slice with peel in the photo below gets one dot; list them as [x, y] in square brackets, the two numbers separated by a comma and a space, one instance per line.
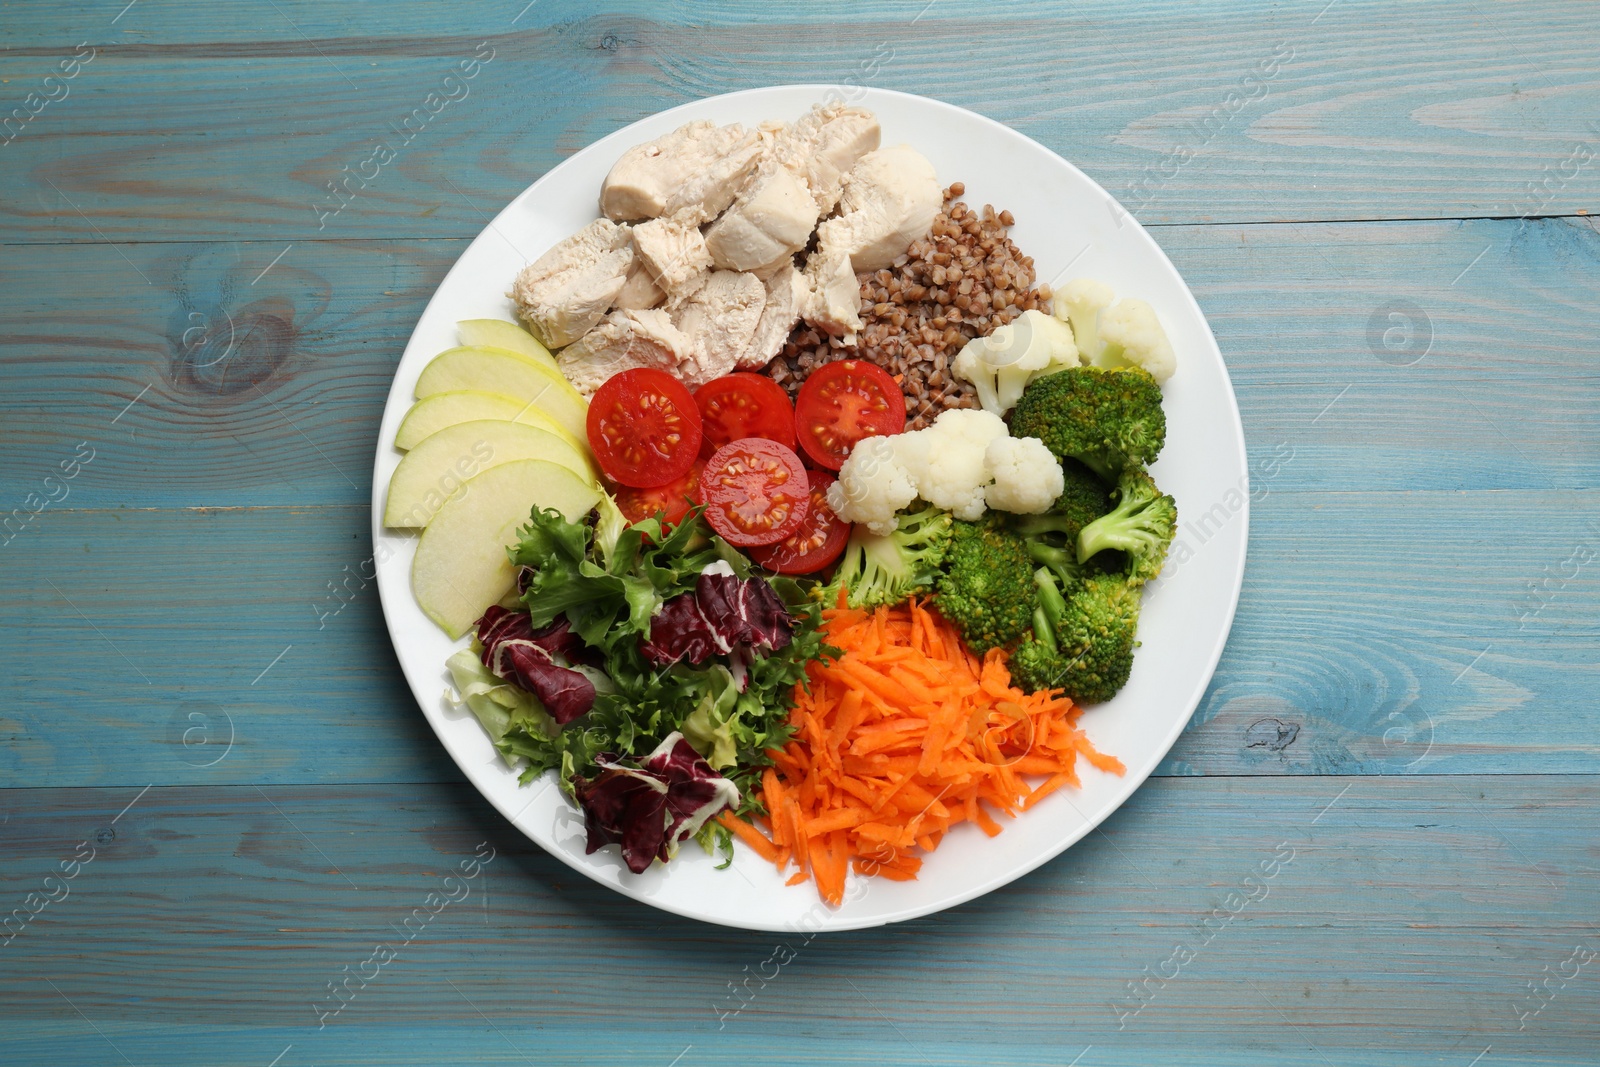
[461, 566]
[440, 466]
[497, 333]
[495, 370]
[429, 416]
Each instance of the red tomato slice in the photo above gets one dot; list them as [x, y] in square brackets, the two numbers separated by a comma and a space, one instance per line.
[843, 402]
[818, 542]
[735, 406]
[644, 428]
[755, 492]
[671, 501]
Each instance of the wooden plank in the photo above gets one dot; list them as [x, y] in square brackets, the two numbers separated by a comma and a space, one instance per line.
[1356, 648]
[1503, 397]
[1352, 921]
[259, 109]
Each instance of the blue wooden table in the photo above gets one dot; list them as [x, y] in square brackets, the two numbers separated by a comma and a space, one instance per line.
[219, 796]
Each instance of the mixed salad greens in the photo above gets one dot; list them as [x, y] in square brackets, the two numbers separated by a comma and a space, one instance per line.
[632, 634]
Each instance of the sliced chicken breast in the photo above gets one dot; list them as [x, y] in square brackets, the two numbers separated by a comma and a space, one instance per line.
[890, 199]
[721, 316]
[699, 166]
[673, 250]
[625, 340]
[832, 296]
[787, 293]
[564, 292]
[823, 146]
[769, 222]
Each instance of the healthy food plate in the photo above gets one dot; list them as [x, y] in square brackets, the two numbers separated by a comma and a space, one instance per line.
[1072, 229]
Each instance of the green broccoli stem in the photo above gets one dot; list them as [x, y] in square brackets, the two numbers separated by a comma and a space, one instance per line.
[1037, 525]
[1124, 529]
[1061, 562]
[1052, 607]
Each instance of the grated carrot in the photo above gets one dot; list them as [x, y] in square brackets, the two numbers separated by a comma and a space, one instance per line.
[904, 736]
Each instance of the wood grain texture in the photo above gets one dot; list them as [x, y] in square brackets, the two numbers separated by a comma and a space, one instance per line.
[270, 393]
[1356, 649]
[1403, 918]
[1406, 707]
[1375, 112]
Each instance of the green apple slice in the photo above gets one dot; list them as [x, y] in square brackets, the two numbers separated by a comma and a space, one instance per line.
[440, 466]
[461, 566]
[495, 370]
[497, 333]
[429, 416]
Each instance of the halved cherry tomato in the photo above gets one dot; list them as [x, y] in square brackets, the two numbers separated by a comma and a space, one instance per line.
[644, 428]
[671, 501]
[843, 402]
[755, 492]
[818, 542]
[743, 405]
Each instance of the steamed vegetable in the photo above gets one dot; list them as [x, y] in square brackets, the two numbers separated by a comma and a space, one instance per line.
[964, 463]
[1112, 333]
[1083, 499]
[1000, 365]
[1106, 419]
[987, 587]
[1027, 479]
[886, 568]
[1141, 525]
[1082, 646]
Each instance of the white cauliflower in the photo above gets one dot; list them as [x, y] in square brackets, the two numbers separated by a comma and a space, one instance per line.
[1027, 477]
[1002, 364]
[946, 460]
[1121, 334]
[1131, 333]
[873, 484]
[1080, 302]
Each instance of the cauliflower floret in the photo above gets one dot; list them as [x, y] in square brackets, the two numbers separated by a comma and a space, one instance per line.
[1002, 364]
[946, 460]
[1080, 302]
[873, 484]
[1131, 333]
[1121, 334]
[1027, 477]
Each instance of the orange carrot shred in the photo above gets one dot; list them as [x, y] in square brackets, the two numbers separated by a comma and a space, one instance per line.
[906, 735]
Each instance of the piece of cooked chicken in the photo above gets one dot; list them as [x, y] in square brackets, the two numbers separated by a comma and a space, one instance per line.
[673, 249]
[769, 222]
[823, 146]
[833, 296]
[787, 293]
[564, 292]
[625, 340]
[700, 165]
[890, 199]
[721, 316]
[640, 291]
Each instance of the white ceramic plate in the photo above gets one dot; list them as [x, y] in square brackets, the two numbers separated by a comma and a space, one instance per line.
[1068, 224]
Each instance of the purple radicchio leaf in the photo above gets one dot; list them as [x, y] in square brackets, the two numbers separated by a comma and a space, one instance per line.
[723, 616]
[513, 650]
[650, 810]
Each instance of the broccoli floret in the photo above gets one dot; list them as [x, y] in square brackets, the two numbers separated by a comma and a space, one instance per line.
[1084, 644]
[1083, 499]
[884, 569]
[987, 587]
[1141, 525]
[1106, 419]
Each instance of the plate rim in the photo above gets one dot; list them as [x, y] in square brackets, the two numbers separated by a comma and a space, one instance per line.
[1128, 784]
